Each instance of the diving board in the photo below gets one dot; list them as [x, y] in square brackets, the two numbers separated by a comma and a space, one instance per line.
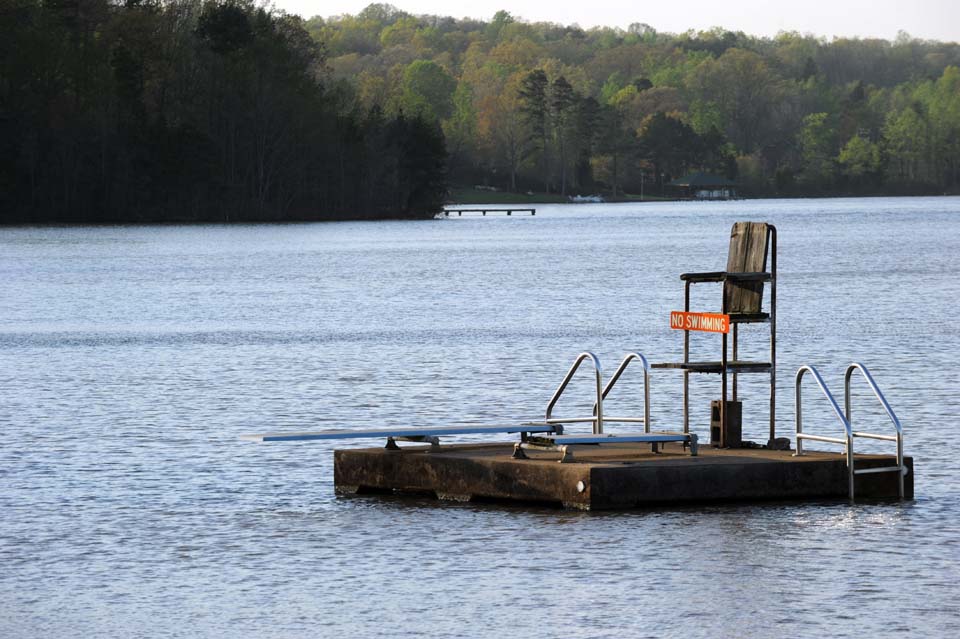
[425, 434]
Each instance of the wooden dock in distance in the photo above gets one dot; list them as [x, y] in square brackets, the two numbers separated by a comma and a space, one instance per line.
[611, 476]
[460, 212]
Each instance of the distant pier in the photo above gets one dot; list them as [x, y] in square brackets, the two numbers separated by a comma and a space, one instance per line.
[461, 212]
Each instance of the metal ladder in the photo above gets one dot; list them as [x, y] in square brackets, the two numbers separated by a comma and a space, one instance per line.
[560, 442]
[629, 357]
[845, 420]
[597, 418]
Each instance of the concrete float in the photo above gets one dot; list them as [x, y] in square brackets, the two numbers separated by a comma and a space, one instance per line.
[611, 476]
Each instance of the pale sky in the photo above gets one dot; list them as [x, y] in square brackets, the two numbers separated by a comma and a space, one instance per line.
[927, 19]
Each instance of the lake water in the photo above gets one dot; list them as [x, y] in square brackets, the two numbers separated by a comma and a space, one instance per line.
[132, 358]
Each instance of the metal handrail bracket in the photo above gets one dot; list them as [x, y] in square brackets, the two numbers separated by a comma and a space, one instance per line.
[597, 418]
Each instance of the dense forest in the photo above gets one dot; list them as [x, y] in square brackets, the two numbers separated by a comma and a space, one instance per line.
[183, 110]
[544, 107]
[228, 110]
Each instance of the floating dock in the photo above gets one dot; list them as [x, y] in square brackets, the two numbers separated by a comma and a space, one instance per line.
[612, 470]
[612, 476]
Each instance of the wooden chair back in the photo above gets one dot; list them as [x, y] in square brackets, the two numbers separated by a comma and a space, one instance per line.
[749, 242]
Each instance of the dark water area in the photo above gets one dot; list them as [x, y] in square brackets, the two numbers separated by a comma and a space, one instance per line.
[132, 358]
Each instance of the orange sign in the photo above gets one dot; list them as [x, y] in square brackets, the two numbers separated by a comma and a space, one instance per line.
[709, 322]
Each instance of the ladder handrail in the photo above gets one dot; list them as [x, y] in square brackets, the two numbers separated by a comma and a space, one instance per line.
[826, 391]
[847, 442]
[854, 366]
[876, 391]
[597, 418]
[629, 357]
[845, 419]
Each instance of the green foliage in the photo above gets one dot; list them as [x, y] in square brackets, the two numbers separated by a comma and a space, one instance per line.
[817, 148]
[427, 90]
[224, 26]
[610, 88]
[500, 20]
[640, 32]
[400, 32]
[921, 133]
[716, 41]
[859, 158]
[460, 129]
[209, 106]
[744, 90]
[905, 133]
[381, 13]
[533, 95]
[563, 103]
[534, 109]
[675, 148]
[193, 111]
[705, 116]
[415, 178]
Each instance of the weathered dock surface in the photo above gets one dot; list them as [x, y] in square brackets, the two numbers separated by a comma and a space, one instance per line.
[612, 476]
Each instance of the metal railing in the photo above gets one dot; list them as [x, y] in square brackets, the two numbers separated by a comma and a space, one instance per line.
[898, 438]
[645, 420]
[844, 418]
[597, 418]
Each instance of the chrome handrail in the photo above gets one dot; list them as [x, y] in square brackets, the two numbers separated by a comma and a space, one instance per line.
[898, 438]
[629, 357]
[845, 418]
[847, 443]
[597, 417]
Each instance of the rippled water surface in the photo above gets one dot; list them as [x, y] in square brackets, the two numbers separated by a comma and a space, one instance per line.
[132, 358]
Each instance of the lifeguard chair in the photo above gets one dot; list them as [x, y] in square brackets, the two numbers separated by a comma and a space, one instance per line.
[742, 299]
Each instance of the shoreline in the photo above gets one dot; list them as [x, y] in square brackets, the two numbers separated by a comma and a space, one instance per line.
[530, 201]
[466, 197]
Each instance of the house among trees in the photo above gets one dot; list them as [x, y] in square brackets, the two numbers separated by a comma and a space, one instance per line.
[705, 186]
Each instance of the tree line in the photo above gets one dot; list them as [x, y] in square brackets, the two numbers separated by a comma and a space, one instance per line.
[227, 110]
[562, 109]
[192, 110]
